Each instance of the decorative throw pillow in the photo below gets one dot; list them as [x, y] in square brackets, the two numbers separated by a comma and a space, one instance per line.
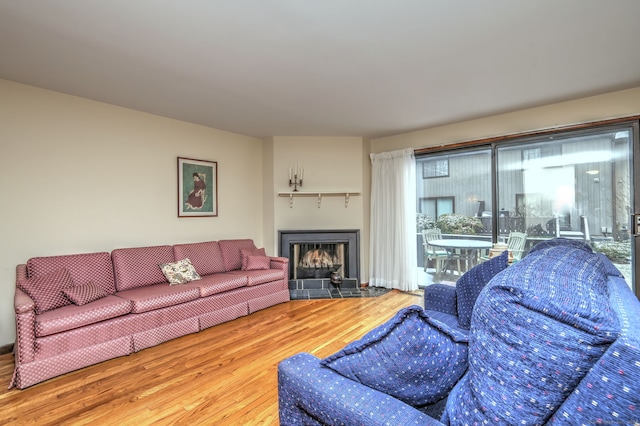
[472, 282]
[85, 293]
[538, 327]
[46, 290]
[258, 262]
[179, 272]
[245, 253]
[411, 357]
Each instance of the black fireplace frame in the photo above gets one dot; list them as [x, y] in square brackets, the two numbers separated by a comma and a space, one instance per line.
[330, 236]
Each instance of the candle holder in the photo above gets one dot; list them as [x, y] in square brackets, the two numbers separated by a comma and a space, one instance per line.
[295, 180]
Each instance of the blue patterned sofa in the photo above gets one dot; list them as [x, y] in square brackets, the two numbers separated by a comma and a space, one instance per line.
[553, 339]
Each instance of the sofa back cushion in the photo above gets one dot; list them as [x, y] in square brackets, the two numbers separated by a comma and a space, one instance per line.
[140, 266]
[610, 389]
[537, 328]
[472, 282]
[231, 252]
[84, 268]
[205, 257]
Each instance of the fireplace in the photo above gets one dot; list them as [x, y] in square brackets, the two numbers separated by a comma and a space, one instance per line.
[316, 254]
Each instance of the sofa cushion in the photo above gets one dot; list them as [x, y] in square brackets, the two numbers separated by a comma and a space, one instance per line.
[179, 272]
[138, 267]
[218, 283]
[206, 257]
[609, 267]
[538, 327]
[72, 316]
[46, 290]
[231, 252]
[245, 253]
[84, 268]
[411, 357]
[255, 263]
[560, 241]
[260, 276]
[158, 296]
[472, 282]
[85, 293]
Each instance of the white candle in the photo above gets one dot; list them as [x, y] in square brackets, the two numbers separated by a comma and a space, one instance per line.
[289, 173]
[301, 173]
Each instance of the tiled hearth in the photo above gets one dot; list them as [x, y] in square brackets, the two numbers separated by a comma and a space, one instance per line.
[315, 255]
[323, 289]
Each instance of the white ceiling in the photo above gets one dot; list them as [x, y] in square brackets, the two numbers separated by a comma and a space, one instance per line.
[322, 67]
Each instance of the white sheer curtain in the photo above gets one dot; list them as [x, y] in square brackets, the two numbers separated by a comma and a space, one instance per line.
[393, 253]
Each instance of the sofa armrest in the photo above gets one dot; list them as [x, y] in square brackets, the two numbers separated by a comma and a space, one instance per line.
[441, 298]
[281, 263]
[23, 303]
[24, 347]
[309, 393]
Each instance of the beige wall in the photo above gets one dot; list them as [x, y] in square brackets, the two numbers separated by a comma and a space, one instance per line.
[611, 105]
[81, 176]
[330, 164]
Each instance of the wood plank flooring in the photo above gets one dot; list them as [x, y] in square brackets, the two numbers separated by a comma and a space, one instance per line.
[225, 375]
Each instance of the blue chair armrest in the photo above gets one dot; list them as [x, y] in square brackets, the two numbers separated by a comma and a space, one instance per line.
[441, 298]
[311, 394]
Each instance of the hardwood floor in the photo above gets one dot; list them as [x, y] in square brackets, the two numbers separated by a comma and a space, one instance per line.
[225, 375]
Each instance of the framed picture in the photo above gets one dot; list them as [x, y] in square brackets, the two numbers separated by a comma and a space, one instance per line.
[197, 188]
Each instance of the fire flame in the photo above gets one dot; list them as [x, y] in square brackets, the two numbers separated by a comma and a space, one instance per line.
[316, 259]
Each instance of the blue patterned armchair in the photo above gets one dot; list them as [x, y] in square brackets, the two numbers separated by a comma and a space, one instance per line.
[553, 339]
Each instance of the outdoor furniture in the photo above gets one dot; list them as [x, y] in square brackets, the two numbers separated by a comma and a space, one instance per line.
[460, 250]
[516, 243]
[430, 252]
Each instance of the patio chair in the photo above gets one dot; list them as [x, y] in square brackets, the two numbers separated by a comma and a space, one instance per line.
[430, 252]
[516, 243]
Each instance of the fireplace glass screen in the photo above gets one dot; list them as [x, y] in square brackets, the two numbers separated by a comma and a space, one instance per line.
[318, 260]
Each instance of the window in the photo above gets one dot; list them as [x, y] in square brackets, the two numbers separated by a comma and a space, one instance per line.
[435, 168]
[436, 206]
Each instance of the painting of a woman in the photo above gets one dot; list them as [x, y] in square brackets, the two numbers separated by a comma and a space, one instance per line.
[197, 188]
[198, 195]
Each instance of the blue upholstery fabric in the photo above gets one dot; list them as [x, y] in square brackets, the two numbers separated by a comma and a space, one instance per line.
[440, 305]
[559, 241]
[472, 282]
[609, 267]
[610, 393]
[309, 394]
[538, 327]
[441, 298]
[411, 357]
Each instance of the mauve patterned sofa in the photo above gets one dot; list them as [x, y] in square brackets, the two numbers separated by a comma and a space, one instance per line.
[552, 339]
[138, 308]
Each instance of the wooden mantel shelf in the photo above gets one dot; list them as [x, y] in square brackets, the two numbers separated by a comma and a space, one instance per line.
[319, 194]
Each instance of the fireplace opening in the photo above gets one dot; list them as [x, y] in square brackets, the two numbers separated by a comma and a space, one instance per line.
[317, 254]
[318, 260]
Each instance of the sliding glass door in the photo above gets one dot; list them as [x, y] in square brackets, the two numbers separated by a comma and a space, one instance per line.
[573, 184]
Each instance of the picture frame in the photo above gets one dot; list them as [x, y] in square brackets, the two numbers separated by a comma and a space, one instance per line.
[197, 188]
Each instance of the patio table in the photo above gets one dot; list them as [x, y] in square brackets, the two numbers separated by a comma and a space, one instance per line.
[460, 250]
